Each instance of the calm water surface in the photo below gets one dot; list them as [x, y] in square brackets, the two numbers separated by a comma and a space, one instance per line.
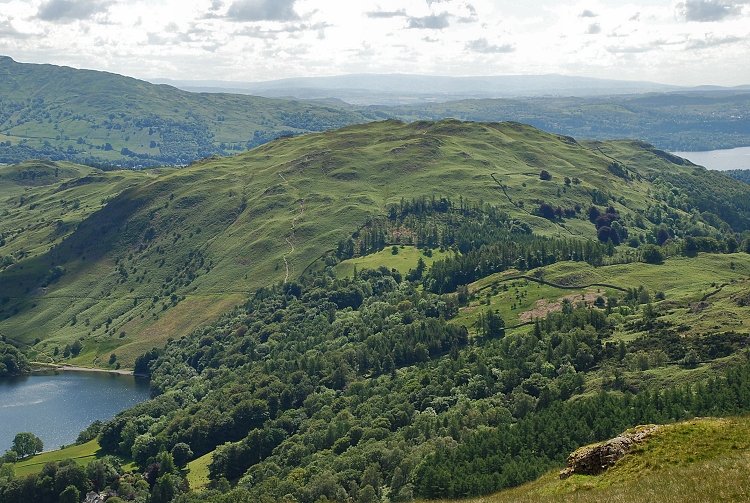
[57, 407]
[732, 158]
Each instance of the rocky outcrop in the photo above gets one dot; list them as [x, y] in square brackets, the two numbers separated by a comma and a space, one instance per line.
[597, 458]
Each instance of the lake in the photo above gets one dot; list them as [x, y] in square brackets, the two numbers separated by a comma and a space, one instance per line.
[731, 158]
[57, 407]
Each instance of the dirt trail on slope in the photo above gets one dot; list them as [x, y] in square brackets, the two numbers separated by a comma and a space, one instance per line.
[289, 268]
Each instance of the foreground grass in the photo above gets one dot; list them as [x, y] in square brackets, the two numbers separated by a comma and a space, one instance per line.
[694, 461]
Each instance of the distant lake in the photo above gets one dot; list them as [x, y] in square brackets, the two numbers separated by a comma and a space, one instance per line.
[56, 408]
[731, 158]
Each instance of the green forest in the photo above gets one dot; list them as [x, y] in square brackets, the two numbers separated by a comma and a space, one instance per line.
[742, 175]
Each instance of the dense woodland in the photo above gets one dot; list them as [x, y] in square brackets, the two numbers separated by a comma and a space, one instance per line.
[742, 175]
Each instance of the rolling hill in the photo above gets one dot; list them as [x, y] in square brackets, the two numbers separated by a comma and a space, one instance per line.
[105, 119]
[121, 261]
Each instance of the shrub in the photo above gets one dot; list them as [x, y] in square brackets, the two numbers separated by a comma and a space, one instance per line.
[547, 211]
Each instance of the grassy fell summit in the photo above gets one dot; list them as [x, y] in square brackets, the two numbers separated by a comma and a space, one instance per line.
[95, 263]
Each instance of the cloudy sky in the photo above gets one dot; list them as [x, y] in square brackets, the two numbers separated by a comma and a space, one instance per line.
[678, 42]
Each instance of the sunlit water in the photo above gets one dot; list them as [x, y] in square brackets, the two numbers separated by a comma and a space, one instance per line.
[57, 407]
[732, 158]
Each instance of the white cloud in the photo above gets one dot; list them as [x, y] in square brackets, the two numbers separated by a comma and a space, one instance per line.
[482, 45]
[593, 29]
[261, 10]
[431, 22]
[710, 10]
[267, 39]
[70, 10]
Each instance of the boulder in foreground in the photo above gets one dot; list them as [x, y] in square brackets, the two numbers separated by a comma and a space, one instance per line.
[597, 458]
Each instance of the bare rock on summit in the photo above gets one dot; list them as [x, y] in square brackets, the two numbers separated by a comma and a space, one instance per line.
[597, 458]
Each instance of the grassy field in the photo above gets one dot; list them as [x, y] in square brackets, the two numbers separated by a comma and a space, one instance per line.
[124, 260]
[519, 300]
[683, 281]
[82, 454]
[694, 461]
[197, 475]
[405, 260]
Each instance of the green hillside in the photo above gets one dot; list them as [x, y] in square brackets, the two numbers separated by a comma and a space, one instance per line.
[124, 260]
[106, 119]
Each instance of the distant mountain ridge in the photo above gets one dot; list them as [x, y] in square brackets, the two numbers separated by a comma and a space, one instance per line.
[101, 118]
[674, 121]
[392, 89]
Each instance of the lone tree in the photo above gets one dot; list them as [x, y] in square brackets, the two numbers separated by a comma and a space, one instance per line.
[652, 254]
[545, 175]
[27, 444]
[181, 453]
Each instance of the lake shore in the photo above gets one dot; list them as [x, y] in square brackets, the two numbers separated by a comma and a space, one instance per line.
[46, 367]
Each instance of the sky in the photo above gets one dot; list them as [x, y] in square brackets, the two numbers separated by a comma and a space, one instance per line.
[685, 42]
